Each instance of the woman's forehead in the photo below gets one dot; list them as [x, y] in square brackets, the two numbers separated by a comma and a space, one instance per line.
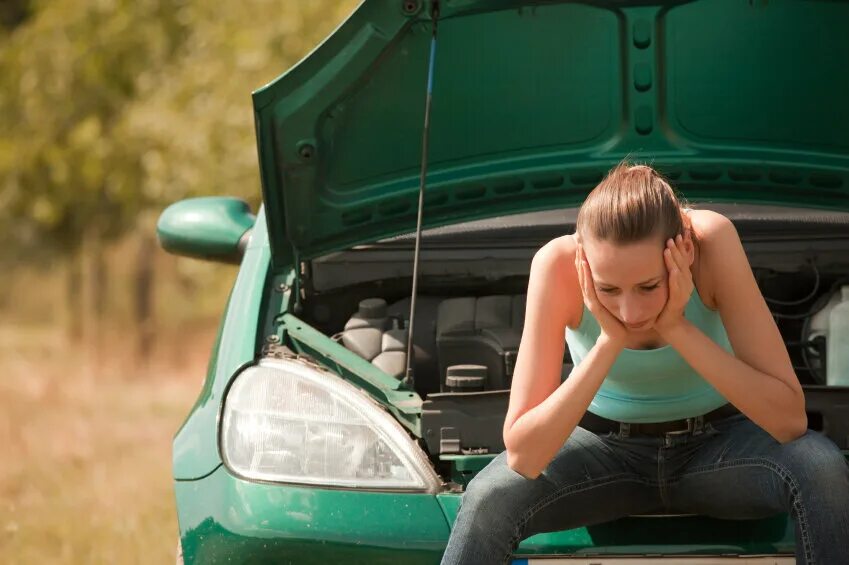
[625, 264]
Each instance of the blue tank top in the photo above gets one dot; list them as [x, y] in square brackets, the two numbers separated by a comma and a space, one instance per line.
[652, 385]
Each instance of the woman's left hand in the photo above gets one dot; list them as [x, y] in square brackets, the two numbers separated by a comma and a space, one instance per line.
[680, 284]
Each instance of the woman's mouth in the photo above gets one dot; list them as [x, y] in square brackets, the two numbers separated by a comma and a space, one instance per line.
[637, 325]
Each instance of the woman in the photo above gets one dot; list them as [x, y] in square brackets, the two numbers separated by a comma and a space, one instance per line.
[682, 373]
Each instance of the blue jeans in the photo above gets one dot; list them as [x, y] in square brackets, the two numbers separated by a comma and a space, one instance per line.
[734, 469]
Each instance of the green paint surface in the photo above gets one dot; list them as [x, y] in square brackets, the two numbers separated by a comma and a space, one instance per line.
[532, 104]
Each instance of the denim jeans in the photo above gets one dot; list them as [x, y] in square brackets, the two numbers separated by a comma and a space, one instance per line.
[733, 469]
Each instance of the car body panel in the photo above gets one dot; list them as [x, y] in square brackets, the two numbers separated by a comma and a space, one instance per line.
[227, 519]
[195, 447]
[534, 102]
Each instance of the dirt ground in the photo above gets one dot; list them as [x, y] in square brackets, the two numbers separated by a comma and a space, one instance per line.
[86, 459]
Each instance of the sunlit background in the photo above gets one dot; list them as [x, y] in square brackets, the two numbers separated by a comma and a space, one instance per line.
[109, 111]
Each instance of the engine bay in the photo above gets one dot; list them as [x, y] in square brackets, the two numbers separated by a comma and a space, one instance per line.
[470, 314]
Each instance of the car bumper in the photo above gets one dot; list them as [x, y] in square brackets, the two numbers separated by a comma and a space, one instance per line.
[225, 519]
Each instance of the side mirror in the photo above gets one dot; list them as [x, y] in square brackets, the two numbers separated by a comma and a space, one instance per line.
[216, 228]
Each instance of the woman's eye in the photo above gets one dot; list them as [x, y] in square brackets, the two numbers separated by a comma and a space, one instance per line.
[607, 290]
[647, 288]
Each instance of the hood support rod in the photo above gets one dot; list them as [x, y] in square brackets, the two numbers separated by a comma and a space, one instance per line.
[409, 378]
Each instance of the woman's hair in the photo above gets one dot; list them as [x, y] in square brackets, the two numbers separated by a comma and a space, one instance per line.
[633, 203]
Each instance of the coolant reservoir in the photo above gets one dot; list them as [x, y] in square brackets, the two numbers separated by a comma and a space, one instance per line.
[837, 357]
[364, 330]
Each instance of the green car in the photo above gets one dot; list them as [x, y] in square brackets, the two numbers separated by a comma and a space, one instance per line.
[316, 438]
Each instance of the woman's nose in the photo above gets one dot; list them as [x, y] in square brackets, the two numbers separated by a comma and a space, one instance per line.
[631, 313]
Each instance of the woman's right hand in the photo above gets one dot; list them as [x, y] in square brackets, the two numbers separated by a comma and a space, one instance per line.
[614, 330]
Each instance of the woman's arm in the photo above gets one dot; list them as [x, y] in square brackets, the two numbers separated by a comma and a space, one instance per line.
[543, 412]
[759, 378]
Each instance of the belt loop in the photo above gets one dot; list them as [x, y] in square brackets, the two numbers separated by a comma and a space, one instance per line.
[698, 425]
[624, 429]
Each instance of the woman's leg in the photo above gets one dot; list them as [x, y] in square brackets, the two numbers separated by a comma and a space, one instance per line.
[740, 471]
[585, 483]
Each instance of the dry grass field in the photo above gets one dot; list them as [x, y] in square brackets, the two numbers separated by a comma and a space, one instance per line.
[86, 449]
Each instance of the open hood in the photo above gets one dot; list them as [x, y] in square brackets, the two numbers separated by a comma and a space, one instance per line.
[534, 101]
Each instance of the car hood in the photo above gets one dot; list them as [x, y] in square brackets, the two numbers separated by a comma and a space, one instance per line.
[534, 102]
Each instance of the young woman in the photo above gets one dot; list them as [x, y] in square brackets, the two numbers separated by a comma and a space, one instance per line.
[682, 373]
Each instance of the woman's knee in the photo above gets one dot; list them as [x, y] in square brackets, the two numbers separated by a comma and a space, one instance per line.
[495, 485]
[500, 501]
[815, 460]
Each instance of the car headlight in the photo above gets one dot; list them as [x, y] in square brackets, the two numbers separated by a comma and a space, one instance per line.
[287, 421]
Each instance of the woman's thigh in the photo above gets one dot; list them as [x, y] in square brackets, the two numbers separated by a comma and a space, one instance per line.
[588, 481]
[740, 471]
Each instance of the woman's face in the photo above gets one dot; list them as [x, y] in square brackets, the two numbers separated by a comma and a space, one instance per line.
[630, 280]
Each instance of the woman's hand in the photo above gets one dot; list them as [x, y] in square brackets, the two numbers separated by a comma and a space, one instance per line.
[611, 327]
[680, 285]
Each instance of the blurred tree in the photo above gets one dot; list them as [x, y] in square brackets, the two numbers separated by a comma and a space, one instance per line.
[109, 108]
[193, 121]
[68, 74]
[13, 12]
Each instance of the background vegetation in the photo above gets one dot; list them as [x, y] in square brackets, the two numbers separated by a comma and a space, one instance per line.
[109, 111]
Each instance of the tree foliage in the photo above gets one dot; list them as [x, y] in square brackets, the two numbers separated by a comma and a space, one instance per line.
[110, 108]
[13, 13]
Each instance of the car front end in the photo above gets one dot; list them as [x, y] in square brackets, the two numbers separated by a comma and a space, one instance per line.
[317, 437]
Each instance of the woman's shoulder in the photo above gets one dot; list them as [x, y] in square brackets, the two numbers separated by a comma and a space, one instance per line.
[563, 247]
[715, 233]
[707, 222]
[555, 262]
[559, 256]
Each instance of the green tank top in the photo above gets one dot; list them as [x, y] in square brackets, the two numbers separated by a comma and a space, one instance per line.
[652, 385]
